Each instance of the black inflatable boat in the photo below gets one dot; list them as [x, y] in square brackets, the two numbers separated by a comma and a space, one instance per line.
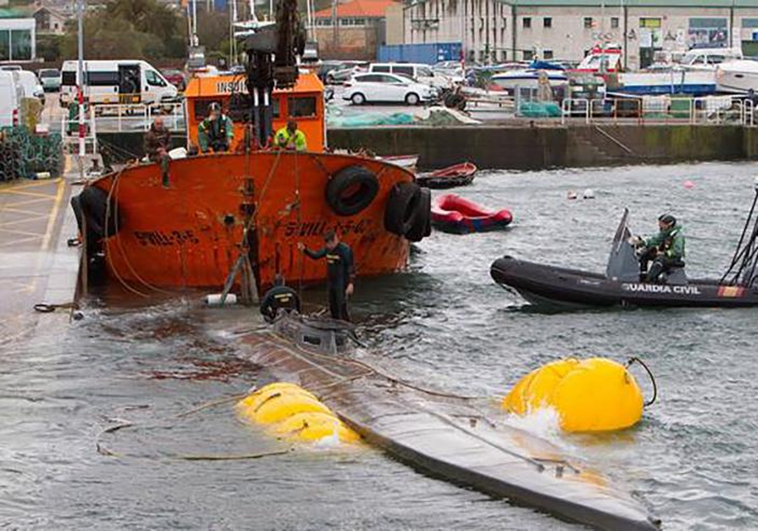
[621, 285]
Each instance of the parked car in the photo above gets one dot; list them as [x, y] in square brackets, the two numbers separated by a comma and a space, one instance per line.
[50, 79]
[28, 84]
[11, 68]
[327, 66]
[388, 88]
[175, 77]
[345, 72]
[420, 72]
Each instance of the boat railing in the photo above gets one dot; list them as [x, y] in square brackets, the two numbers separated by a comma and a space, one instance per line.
[131, 117]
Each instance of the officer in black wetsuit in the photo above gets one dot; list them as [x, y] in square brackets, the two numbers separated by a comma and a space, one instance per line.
[340, 272]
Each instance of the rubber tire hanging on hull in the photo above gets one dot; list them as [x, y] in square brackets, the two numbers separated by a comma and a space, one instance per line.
[402, 208]
[351, 190]
[422, 223]
[91, 205]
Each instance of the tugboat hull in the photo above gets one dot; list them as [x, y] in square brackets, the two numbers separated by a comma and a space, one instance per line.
[187, 232]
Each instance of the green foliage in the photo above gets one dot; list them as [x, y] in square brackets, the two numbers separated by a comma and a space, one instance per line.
[49, 46]
[135, 29]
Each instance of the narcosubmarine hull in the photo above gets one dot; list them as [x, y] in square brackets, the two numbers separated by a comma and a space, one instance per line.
[444, 436]
[542, 285]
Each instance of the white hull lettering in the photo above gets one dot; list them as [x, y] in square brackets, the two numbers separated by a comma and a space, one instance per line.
[659, 288]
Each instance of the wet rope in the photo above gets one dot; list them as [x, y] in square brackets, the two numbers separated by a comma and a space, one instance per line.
[107, 241]
[104, 450]
[634, 359]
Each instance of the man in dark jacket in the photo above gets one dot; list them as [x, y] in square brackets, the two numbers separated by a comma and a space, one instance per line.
[157, 145]
[340, 272]
[665, 249]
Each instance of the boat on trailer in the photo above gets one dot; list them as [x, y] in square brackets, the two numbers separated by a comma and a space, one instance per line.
[448, 437]
[622, 283]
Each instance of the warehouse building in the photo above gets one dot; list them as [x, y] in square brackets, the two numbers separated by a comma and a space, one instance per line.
[505, 30]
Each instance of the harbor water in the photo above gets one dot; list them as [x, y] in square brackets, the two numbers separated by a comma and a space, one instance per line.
[100, 426]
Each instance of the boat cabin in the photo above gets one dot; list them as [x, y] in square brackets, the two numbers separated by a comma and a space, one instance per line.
[303, 103]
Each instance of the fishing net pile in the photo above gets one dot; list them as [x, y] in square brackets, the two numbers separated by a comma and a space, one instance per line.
[24, 155]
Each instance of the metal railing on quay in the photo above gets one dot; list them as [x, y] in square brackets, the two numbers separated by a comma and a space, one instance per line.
[713, 110]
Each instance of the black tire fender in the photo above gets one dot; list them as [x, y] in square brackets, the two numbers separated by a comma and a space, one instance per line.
[279, 298]
[351, 190]
[92, 205]
[422, 219]
[402, 207]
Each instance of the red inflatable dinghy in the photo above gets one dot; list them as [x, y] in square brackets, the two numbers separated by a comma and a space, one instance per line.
[452, 213]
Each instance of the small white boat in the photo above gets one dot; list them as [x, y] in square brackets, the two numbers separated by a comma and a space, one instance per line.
[528, 78]
[675, 81]
[737, 77]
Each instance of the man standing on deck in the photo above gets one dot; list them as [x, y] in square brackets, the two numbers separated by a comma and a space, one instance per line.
[216, 132]
[665, 249]
[340, 272]
[290, 137]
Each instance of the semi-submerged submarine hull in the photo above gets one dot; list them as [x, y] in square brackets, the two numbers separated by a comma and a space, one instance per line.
[445, 436]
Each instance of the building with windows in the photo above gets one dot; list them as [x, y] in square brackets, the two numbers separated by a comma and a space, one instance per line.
[505, 30]
[50, 20]
[17, 36]
[352, 30]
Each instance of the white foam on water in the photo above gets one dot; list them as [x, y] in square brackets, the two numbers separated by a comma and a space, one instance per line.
[543, 422]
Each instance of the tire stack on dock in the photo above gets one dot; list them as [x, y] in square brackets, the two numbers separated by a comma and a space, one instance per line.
[25, 156]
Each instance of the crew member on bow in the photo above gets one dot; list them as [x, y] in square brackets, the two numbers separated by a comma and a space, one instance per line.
[157, 145]
[665, 249]
[340, 272]
[290, 137]
[215, 133]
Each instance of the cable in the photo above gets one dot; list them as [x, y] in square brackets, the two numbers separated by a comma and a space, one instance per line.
[650, 374]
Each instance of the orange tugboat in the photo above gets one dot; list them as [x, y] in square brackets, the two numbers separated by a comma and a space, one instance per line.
[236, 218]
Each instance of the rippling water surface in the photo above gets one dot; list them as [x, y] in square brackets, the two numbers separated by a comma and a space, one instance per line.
[693, 459]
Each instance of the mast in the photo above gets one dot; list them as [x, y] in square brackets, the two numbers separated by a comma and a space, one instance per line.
[742, 270]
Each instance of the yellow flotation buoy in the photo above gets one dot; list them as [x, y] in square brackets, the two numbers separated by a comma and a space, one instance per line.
[596, 394]
[291, 411]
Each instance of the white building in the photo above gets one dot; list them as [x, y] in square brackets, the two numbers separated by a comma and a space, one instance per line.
[17, 37]
[504, 30]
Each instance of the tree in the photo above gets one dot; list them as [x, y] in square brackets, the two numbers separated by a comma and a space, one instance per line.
[138, 29]
[49, 46]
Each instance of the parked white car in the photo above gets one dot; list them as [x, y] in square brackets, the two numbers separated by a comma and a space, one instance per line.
[29, 85]
[386, 88]
[420, 72]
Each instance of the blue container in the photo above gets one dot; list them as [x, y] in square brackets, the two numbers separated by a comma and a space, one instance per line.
[420, 53]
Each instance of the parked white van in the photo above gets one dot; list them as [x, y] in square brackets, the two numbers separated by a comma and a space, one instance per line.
[420, 72]
[123, 81]
[9, 99]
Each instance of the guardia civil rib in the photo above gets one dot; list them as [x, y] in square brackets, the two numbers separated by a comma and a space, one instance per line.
[621, 285]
